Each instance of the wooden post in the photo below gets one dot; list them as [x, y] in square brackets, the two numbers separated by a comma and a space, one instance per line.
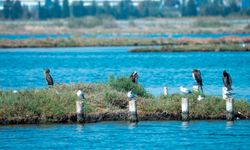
[132, 111]
[184, 109]
[229, 109]
[165, 91]
[79, 107]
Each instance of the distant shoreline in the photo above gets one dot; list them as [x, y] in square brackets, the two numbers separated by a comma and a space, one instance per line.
[229, 43]
[77, 26]
[195, 48]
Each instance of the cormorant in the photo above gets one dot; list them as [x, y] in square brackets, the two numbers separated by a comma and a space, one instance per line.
[227, 80]
[197, 77]
[48, 78]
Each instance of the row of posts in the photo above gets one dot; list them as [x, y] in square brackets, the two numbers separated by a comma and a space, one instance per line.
[226, 94]
[133, 117]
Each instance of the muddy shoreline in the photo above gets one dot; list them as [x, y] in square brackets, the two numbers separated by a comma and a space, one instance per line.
[108, 116]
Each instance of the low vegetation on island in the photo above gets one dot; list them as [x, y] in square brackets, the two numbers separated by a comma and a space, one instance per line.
[104, 102]
[167, 44]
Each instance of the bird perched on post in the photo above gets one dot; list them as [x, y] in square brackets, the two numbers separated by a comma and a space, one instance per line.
[134, 77]
[197, 77]
[130, 94]
[48, 78]
[227, 80]
[80, 94]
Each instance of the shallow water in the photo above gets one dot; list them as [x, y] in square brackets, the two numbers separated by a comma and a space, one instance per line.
[120, 35]
[23, 68]
[194, 135]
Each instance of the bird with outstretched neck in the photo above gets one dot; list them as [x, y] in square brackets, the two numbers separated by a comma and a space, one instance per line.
[197, 77]
[48, 78]
[227, 80]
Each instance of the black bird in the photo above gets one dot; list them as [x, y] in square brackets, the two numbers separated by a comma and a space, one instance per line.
[227, 80]
[134, 77]
[48, 78]
[197, 77]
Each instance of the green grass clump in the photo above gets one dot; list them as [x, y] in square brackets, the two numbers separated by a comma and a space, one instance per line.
[124, 84]
[113, 98]
[169, 104]
[37, 103]
[210, 107]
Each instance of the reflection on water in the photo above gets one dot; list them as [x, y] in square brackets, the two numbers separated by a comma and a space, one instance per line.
[79, 128]
[185, 124]
[132, 125]
[229, 124]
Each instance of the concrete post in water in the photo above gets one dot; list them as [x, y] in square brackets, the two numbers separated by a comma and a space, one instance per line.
[227, 96]
[79, 107]
[225, 93]
[184, 109]
[133, 111]
[132, 115]
[165, 91]
[229, 109]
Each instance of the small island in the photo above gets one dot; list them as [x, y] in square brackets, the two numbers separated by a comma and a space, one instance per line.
[105, 102]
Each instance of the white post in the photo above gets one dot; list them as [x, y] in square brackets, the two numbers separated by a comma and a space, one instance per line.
[133, 111]
[165, 91]
[229, 109]
[224, 93]
[184, 109]
[79, 107]
[227, 96]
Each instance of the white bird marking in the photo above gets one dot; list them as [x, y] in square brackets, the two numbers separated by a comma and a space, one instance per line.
[184, 90]
[131, 95]
[80, 94]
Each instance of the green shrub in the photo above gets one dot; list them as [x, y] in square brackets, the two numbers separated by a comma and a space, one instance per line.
[124, 84]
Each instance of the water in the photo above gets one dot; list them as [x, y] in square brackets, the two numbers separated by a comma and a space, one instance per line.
[23, 68]
[194, 135]
[163, 35]
[121, 35]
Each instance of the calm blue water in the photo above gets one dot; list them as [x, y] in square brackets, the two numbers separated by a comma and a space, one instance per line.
[122, 35]
[23, 68]
[121, 135]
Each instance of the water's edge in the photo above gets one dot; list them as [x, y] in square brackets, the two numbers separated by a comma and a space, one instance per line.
[109, 116]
